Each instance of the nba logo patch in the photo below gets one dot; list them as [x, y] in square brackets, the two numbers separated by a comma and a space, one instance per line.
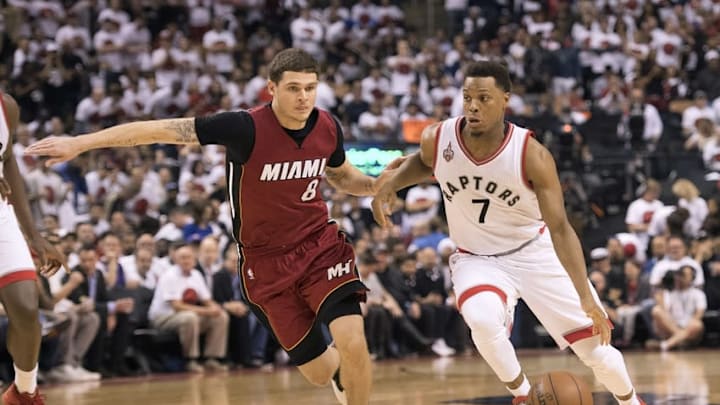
[251, 274]
[448, 153]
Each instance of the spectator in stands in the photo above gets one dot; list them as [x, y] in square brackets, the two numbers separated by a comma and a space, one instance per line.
[219, 44]
[46, 190]
[675, 258]
[426, 235]
[699, 109]
[705, 130]
[689, 198]
[422, 203]
[613, 275]
[711, 152]
[173, 229]
[706, 78]
[92, 295]
[208, 261]
[706, 253]
[640, 125]
[379, 309]
[392, 279]
[307, 34]
[75, 340]
[634, 297]
[428, 284]
[640, 212]
[376, 126]
[678, 312]
[182, 303]
[658, 247]
[140, 267]
[247, 337]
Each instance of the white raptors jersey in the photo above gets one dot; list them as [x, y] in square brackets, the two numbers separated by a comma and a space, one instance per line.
[490, 206]
[4, 142]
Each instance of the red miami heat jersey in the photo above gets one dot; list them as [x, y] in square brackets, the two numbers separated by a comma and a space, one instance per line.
[489, 204]
[275, 196]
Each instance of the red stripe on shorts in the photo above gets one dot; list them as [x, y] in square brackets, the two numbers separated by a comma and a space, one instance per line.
[583, 333]
[478, 289]
[18, 275]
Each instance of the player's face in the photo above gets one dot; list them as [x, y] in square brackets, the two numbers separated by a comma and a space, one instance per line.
[483, 104]
[294, 97]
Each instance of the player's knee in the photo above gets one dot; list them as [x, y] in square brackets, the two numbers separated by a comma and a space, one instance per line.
[23, 312]
[320, 378]
[352, 346]
[319, 371]
[595, 355]
[484, 314]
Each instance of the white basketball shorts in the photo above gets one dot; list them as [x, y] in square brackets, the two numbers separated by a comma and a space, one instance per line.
[534, 274]
[16, 263]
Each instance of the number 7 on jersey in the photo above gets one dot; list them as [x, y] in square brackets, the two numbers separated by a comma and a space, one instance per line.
[483, 210]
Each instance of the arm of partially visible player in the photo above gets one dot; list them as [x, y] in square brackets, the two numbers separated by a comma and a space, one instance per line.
[172, 131]
[50, 258]
[416, 168]
[542, 174]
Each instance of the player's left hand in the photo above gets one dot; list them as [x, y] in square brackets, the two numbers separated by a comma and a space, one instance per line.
[601, 326]
[50, 258]
[5, 190]
[387, 173]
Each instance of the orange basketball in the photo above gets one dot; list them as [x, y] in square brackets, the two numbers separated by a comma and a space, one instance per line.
[560, 388]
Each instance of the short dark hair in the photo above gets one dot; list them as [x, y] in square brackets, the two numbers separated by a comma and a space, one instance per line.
[87, 247]
[292, 60]
[496, 70]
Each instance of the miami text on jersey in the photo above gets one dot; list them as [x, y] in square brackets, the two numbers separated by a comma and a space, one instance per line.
[299, 169]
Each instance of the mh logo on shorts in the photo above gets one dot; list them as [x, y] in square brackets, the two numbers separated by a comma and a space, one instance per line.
[339, 270]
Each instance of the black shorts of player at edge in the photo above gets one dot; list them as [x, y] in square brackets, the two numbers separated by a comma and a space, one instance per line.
[344, 301]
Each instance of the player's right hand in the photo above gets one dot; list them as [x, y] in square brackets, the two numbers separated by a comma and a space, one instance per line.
[5, 189]
[601, 325]
[57, 148]
[382, 205]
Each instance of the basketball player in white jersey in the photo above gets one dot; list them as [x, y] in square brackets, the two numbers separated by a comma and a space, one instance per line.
[18, 289]
[506, 214]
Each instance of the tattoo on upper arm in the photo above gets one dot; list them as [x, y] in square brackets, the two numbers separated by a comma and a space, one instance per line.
[184, 130]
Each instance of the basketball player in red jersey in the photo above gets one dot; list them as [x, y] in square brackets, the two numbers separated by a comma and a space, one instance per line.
[505, 212]
[18, 289]
[297, 270]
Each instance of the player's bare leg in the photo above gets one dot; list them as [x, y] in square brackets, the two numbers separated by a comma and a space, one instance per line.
[321, 369]
[20, 300]
[349, 334]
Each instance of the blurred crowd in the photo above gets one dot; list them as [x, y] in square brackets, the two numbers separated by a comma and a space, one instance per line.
[143, 224]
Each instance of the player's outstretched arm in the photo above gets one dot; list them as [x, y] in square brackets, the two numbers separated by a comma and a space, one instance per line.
[172, 131]
[416, 168]
[542, 174]
[350, 179]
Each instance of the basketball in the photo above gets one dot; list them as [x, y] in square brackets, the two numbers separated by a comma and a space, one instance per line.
[560, 388]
